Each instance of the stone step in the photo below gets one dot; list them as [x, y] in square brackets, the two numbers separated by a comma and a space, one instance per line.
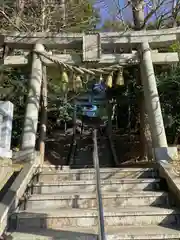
[152, 232]
[114, 185]
[52, 176]
[57, 219]
[88, 200]
[49, 234]
[67, 169]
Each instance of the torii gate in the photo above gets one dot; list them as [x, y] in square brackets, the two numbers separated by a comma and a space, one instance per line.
[92, 47]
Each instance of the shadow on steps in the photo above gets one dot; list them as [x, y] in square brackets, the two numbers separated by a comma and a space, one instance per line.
[36, 225]
[30, 234]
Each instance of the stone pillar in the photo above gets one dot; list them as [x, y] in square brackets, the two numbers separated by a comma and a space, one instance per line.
[33, 101]
[6, 118]
[1, 124]
[152, 98]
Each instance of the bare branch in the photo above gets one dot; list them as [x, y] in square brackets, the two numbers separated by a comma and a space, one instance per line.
[9, 20]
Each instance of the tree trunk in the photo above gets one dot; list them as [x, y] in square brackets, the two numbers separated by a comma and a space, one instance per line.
[20, 8]
[145, 135]
[174, 13]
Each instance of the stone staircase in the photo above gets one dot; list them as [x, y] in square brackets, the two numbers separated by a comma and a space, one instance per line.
[63, 206]
[84, 151]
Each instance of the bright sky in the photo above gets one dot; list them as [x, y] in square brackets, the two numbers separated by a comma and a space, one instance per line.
[109, 9]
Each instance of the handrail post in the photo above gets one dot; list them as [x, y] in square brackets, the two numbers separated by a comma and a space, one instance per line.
[98, 187]
[70, 160]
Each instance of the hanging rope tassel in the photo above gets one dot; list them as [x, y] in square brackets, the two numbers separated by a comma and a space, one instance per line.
[71, 82]
[78, 83]
[109, 80]
[120, 78]
[65, 77]
[64, 81]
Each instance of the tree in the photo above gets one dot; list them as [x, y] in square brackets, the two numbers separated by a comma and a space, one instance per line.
[168, 80]
[150, 15]
[26, 15]
[29, 16]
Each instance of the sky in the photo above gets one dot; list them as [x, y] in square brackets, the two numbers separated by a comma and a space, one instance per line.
[109, 9]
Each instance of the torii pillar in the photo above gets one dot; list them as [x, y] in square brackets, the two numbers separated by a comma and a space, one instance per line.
[153, 106]
[33, 102]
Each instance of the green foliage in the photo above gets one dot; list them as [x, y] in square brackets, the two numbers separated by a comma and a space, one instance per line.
[17, 79]
[80, 15]
[169, 90]
[175, 47]
[64, 111]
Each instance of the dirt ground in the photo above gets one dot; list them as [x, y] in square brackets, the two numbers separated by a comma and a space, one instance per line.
[58, 147]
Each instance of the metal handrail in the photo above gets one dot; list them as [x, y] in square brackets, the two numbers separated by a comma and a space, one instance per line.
[113, 150]
[98, 187]
[73, 146]
[70, 158]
